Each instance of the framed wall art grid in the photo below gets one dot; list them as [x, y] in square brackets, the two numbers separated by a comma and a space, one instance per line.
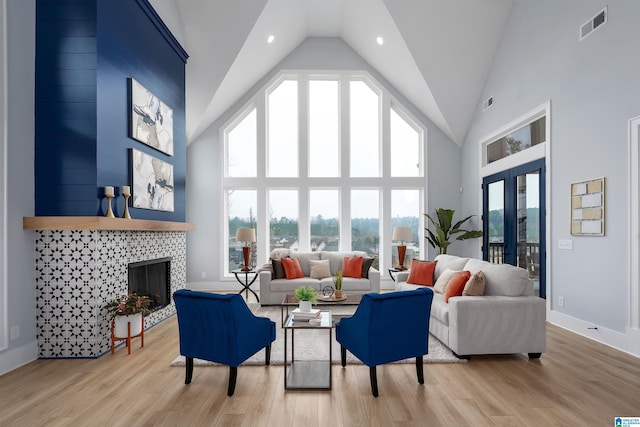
[588, 207]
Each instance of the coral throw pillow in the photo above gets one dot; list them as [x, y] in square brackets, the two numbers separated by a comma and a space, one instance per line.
[421, 273]
[456, 285]
[352, 267]
[292, 268]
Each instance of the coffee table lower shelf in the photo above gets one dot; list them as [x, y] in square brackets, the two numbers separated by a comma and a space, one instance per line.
[309, 375]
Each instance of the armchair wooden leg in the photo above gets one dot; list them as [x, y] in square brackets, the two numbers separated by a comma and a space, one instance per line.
[233, 374]
[374, 380]
[267, 356]
[188, 363]
[420, 369]
[343, 356]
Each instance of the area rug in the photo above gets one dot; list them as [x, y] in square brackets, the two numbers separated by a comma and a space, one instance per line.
[313, 344]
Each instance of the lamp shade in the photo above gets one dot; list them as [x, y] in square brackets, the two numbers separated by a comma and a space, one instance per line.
[244, 234]
[402, 233]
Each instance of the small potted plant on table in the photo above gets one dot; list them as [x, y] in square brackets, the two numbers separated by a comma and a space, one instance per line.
[126, 315]
[306, 295]
[337, 281]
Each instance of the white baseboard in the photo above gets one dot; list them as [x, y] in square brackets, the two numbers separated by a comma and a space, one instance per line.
[633, 341]
[17, 357]
[615, 339]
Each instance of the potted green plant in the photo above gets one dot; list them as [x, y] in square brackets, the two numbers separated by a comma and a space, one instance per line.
[444, 231]
[337, 281]
[127, 309]
[306, 295]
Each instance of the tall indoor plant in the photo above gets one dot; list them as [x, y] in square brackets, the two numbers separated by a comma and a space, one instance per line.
[445, 232]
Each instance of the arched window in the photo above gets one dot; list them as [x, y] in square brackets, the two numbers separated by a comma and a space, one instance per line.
[323, 162]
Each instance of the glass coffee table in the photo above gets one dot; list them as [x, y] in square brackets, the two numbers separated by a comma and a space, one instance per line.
[307, 374]
[290, 302]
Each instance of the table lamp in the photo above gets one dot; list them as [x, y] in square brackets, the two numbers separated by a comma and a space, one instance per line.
[403, 234]
[246, 235]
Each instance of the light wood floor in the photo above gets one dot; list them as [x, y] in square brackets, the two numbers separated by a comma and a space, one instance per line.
[577, 382]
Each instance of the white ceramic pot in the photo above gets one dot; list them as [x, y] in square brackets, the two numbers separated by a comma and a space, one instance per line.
[305, 306]
[120, 328]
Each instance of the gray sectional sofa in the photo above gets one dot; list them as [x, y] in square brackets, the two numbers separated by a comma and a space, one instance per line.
[273, 291]
[508, 318]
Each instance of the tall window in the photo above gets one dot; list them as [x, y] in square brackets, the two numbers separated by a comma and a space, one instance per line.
[324, 220]
[365, 221]
[241, 212]
[283, 219]
[306, 155]
[324, 131]
[405, 212]
[283, 130]
[365, 137]
[241, 149]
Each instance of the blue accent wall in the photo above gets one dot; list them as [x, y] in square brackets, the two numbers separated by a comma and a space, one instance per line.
[86, 51]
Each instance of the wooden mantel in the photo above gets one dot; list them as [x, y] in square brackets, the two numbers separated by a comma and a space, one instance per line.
[101, 223]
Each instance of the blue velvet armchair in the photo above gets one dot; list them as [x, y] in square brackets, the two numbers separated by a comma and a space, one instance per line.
[386, 328]
[221, 329]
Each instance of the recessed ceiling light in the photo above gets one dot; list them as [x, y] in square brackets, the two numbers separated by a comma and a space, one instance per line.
[271, 38]
[380, 40]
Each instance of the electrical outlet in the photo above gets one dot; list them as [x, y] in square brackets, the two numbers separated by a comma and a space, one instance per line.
[15, 332]
[204, 275]
[561, 301]
[565, 244]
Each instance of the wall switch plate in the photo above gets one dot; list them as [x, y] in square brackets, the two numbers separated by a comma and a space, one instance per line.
[15, 332]
[204, 275]
[565, 244]
[561, 301]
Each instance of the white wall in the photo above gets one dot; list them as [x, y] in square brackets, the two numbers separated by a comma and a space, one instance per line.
[19, 199]
[204, 196]
[593, 89]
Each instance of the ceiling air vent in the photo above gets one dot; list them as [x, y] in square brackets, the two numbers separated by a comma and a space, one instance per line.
[594, 23]
[488, 103]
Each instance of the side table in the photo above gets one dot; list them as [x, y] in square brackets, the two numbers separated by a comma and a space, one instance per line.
[246, 284]
[393, 271]
[307, 374]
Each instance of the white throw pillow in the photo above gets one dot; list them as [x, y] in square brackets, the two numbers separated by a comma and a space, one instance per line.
[319, 269]
[475, 285]
[441, 284]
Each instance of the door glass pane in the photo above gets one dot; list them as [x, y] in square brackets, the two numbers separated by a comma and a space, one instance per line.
[405, 212]
[365, 222]
[283, 219]
[495, 233]
[283, 130]
[365, 139]
[405, 147]
[528, 223]
[241, 148]
[241, 211]
[324, 159]
[324, 209]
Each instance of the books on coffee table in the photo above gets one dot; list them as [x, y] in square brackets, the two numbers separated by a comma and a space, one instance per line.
[305, 315]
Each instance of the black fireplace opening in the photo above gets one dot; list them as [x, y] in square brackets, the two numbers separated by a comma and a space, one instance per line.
[153, 279]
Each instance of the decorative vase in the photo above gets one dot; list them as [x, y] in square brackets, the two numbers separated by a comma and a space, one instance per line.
[305, 306]
[338, 294]
[121, 329]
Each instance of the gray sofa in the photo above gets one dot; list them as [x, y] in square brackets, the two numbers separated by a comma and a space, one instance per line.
[508, 318]
[273, 291]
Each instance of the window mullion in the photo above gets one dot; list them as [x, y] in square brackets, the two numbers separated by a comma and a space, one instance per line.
[345, 149]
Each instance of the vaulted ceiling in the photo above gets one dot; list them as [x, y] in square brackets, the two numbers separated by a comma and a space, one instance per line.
[437, 53]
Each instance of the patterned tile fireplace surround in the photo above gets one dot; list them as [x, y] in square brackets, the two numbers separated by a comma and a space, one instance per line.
[78, 271]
